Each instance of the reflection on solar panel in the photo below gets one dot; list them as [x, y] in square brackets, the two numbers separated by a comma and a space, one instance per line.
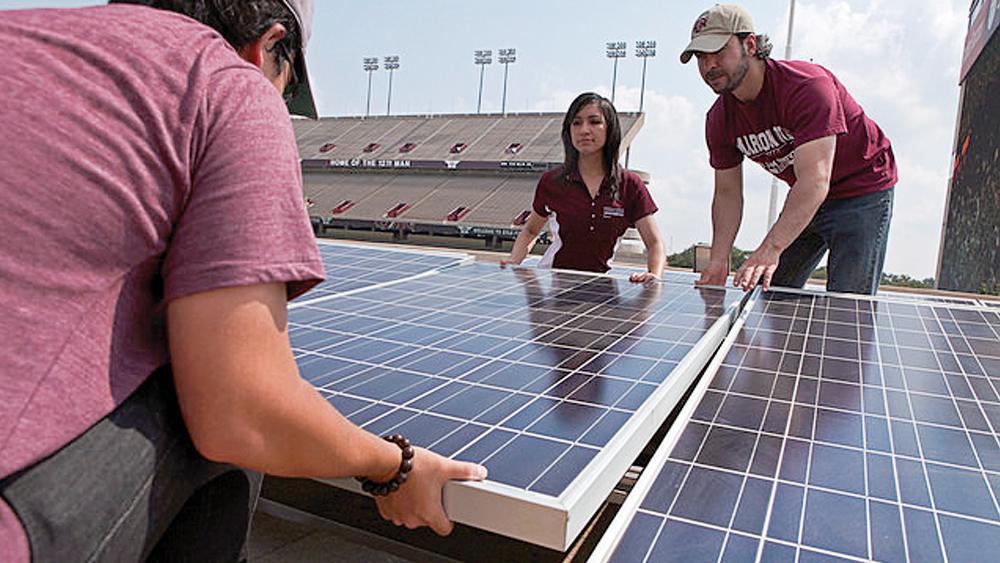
[624, 270]
[554, 380]
[927, 298]
[834, 429]
[350, 267]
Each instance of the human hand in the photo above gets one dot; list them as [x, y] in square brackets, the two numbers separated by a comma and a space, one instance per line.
[714, 274]
[759, 268]
[418, 501]
[508, 262]
[642, 277]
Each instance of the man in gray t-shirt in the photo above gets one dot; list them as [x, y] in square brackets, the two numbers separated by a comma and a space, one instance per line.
[152, 231]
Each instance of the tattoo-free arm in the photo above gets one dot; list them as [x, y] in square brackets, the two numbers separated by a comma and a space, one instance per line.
[244, 403]
[727, 213]
[813, 169]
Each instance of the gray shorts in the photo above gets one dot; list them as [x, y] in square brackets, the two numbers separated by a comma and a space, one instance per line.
[133, 488]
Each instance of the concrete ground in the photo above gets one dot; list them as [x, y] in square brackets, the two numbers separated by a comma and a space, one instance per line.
[284, 535]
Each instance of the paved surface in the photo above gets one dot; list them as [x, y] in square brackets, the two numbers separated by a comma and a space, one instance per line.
[282, 535]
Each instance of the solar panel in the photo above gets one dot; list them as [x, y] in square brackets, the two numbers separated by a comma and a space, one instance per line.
[927, 298]
[554, 380]
[619, 269]
[351, 267]
[833, 429]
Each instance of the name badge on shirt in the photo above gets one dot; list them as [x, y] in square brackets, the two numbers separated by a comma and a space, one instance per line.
[610, 211]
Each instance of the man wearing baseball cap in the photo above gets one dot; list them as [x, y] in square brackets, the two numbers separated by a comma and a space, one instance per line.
[153, 230]
[799, 122]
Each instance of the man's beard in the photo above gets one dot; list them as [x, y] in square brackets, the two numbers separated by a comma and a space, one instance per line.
[735, 78]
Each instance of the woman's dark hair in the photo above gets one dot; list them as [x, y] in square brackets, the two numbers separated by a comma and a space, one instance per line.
[612, 143]
[240, 22]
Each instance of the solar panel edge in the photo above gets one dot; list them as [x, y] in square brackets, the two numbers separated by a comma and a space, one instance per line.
[498, 508]
[550, 508]
[616, 530]
[581, 497]
[805, 526]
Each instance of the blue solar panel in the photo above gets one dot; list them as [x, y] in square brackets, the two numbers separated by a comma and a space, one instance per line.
[833, 429]
[897, 294]
[623, 270]
[554, 380]
[354, 266]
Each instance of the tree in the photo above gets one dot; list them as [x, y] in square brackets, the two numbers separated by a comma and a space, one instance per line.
[685, 258]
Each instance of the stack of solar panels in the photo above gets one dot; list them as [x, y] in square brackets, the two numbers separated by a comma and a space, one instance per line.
[831, 428]
[553, 380]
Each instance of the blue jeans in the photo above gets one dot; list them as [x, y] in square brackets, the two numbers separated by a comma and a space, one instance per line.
[133, 488]
[855, 230]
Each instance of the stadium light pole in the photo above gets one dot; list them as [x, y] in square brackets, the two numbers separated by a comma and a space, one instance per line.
[506, 57]
[483, 58]
[615, 50]
[644, 50]
[772, 210]
[391, 64]
[370, 65]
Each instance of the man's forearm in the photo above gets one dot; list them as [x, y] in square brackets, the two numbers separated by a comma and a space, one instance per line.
[727, 213]
[800, 207]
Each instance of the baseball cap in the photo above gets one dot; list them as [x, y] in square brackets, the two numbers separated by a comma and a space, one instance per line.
[302, 103]
[715, 26]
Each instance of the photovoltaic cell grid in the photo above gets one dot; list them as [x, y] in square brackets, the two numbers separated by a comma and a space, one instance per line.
[350, 267]
[936, 299]
[532, 373]
[835, 429]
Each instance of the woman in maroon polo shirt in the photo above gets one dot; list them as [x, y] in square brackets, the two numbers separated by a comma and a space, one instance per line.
[590, 201]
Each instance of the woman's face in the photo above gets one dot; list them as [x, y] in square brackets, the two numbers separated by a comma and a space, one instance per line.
[589, 130]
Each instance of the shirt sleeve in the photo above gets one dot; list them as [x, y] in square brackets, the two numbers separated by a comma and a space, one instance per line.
[722, 151]
[244, 220]
[542, 191]
[814, 110]
[640, 204]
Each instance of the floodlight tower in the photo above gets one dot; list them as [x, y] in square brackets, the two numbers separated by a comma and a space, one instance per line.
[644, 50]
[506, 57]
[616, 50]
[391, 63]
[370, 65]
[483, 58]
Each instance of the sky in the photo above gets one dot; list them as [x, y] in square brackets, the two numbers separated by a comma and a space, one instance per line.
[899, 59]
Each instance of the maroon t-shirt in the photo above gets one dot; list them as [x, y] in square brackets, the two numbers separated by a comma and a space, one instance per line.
[585, 230]
[143, 160]
[801, 102]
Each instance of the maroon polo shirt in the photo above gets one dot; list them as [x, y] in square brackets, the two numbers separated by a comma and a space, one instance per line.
[585, 230]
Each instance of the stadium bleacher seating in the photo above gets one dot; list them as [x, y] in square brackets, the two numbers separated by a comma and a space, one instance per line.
[465, 175]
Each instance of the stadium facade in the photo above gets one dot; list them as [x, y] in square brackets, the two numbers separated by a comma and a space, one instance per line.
[969, 258]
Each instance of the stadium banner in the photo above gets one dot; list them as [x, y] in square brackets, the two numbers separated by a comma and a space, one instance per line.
[391, 164]
[984, 16]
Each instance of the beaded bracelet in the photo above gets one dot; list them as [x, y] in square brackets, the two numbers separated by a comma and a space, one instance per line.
[405, 466]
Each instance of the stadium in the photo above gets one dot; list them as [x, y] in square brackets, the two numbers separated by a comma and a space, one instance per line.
[444, 176]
